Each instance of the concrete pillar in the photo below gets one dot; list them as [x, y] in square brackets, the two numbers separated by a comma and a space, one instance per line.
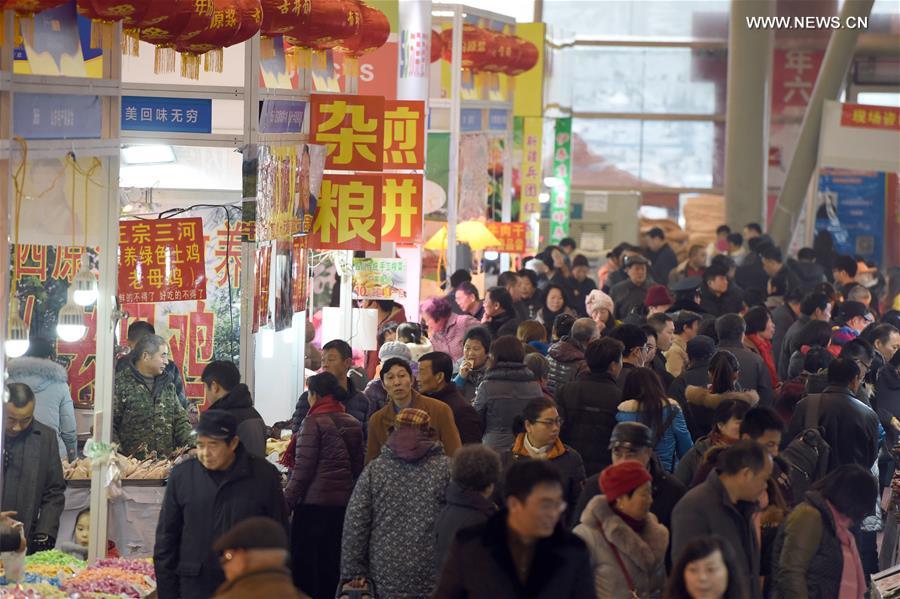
[838, 57]
[747, 114]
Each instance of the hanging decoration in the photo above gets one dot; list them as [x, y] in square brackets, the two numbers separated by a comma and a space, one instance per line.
[474, 47]
[168, 22]
[278, 18]
[105, 13]
[373, 32]
[233, 22]
[323, 25]
[25, 11]
[524, 57]
[489, 51]
[437, 46]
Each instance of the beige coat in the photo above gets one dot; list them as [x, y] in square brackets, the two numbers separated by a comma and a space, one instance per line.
[442, 422]
[642, 554]
[676, 356]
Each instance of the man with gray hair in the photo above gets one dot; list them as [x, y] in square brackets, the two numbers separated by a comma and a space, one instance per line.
[147, 416]
[566, 356]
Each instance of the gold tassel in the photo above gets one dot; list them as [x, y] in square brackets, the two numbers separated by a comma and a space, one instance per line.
[319, 60]
[304, 57]
[131, 45]
[291, 59]
[164, 60]
[214, 60]
[25, 28]
[96, 34]
[190, 66]
[351, 66]
[266, 47]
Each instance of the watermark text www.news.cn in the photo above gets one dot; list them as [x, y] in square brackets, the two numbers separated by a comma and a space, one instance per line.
[833, 22]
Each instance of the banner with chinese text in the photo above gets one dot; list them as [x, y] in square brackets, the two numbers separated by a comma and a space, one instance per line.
[299, 273]
[161, 260]
[870, 117]
[559, 194]
[379, 278]
[530, 173]
[511, 236]
[352, 130]
[261, 275]
[349, 213]
[402, 213]
[404, 135]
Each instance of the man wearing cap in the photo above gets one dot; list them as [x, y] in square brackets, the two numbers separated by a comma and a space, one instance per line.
[687, 326]
[634, 441]
[253, 555]
[658, 300]
[631, 293]
[204, 498]
[579, 285]
[856, 316]
[687, 296]
[396, 374]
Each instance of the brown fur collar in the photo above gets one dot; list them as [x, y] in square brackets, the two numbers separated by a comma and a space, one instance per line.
[647, 549]
[702, 396]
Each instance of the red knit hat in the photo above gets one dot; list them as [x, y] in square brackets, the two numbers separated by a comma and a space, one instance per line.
[622, 479]
[658, 295]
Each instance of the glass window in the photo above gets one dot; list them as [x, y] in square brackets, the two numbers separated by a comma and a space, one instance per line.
[632, 153]
[698, 19]
[649, 80]
[879, 98]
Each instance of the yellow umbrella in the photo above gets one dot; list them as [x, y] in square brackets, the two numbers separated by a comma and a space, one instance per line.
[473, 232]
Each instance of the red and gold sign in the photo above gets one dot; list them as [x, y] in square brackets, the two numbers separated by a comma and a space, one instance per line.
[348, 216]
[524, 57]
[261, 276]
[103, 13]
[402, 214]
[511, 236]
[352, 128]
[404, 134]
[870, 117]
[161, 260]
[280, 16]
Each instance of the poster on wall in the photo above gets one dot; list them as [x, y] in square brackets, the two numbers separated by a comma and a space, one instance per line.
[261, 275]
[299, 273]
[288, 182]
[379, 278]
[281, 287]
[161, 260]
[474, 181]
[851, 208]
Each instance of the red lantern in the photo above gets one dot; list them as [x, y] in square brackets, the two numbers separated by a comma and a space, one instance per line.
[524, 58]
[29, 8]
[103, 13]
[280, 16]
[437, 46]
[325, 23]
[372, 34]
[233, 21]
[475, 46]
[500, 52]
[166, 23]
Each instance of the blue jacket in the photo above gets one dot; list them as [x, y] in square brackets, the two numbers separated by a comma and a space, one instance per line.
[676, 440]
[53, 402]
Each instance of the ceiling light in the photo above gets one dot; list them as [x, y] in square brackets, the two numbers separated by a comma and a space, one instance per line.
[85, 284]
[148, 154]
[71, 327]
[553, 182]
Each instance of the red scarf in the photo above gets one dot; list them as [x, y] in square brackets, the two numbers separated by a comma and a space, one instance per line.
[764, 347]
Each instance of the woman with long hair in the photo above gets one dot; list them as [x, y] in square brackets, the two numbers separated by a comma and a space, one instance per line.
[703, 571]
[724, 431]
[554, 304]
[724, 372]
[328, 461]
[646, 402]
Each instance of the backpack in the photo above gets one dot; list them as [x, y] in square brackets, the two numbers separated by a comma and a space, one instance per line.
[808, 453]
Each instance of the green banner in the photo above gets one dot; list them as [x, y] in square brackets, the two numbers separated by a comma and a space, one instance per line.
[562, 170]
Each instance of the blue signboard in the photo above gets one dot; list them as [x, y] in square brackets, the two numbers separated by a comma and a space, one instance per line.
[56, 116]
[497, 119]
[281, 116]
[852, 211]
[470, 119]
[168, 115]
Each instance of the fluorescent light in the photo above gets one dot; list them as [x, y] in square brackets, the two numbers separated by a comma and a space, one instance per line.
[553, 182]
[543, 197]
[70, 326]
[149, 154]
[491, 255]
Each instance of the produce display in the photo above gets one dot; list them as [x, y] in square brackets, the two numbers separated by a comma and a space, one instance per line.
[54, 574]
[131, 468]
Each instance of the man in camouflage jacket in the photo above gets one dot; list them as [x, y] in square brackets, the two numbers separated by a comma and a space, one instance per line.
[147, 416]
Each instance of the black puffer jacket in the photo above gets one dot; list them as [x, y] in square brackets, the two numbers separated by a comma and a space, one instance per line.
[251, 428]
[696, 375]
[588, 407]
[501, 396]
[887, 398]
[566, 358]
[464, 508]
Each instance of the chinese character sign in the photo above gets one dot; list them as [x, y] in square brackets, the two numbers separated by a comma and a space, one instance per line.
[404, 135]
[870, 117]
[511, 236]
[402, 213]
[559, 194]
[351, 128]
[171, 115]
[299, 273]
[161, 260]
[793, 78]
[349, 213]
[379, 278]
[530, 173]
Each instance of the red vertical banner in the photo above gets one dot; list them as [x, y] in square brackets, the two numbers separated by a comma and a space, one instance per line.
[349, 213]
[402, 213]
[793, 78]
[299, 273]
[352, 130]
[261, 299]
[161, 260]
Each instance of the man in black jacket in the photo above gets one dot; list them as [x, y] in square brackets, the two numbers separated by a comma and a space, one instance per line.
[522, 551]
[660, 254]
[204, 498]
[588, 405]
[499, 312]
[717, 296]
[754, 375]
[225, 391]
[815, 306]
[634, 352]
[634, 441]
[436, 380]
[700, 351]
[849, 426]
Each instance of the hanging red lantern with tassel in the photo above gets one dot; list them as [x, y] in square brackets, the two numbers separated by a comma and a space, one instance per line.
[500, 49]
[105, 13]
[233, 22]
[524, 58]
[323, 25]
[474, 47]
[437, 46]
[167, 22]
[278, 18]
[25, 11]
[374, 30]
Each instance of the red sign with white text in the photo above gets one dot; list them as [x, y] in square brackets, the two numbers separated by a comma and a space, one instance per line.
[870, 117]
